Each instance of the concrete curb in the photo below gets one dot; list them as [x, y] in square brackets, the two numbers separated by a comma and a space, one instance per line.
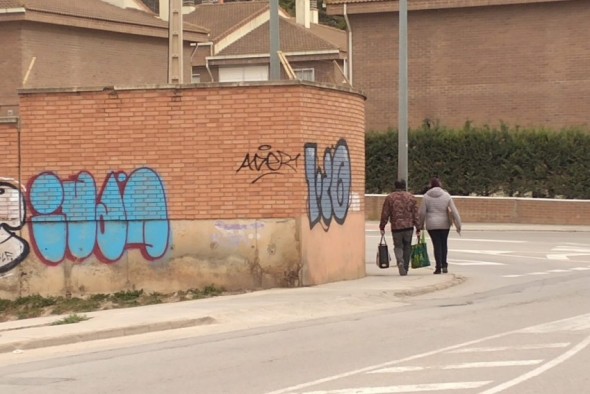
[105, 334]
[457, 280]
[363, 299]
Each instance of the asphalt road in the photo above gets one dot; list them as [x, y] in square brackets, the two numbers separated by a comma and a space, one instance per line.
[519, 324]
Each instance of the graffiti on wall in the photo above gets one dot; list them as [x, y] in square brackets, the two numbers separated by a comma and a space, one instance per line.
[328, 189]
[13, 249]
[268, 162]
[72, 219]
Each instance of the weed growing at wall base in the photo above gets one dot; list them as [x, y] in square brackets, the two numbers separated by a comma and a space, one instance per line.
[36, 305]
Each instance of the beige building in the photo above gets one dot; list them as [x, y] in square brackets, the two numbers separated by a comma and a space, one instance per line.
[240, 42]
[82, 43]
[63, 43]
[522, 62]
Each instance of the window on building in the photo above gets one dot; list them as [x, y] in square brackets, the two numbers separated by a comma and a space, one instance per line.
[243, 74]
[305, 74]
[195, 76]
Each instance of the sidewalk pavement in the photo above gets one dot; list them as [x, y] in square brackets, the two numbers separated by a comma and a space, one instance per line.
[380, 289]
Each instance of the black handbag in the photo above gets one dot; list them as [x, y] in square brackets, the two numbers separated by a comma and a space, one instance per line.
[383, 257]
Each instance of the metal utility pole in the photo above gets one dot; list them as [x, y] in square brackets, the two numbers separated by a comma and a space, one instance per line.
[275, 66]
[402, 166]
[175, 42]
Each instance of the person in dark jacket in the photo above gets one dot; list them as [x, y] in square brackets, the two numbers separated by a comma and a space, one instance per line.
[400, 208]
[437, 214]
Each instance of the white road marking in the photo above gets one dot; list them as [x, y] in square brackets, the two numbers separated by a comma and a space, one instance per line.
[407, 388]
[505, 348]
[487, 364]
[398, 369]
[571, 249]
[491, 240]
[565, 256]
[473, 262]
[577, 323]
[538, 371]
[491, 252]
[492, 364]
[547, 272]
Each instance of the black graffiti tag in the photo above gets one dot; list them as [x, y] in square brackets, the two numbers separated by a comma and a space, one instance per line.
[267, 162]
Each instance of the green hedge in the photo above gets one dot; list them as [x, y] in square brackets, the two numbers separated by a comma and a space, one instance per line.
[485, 161]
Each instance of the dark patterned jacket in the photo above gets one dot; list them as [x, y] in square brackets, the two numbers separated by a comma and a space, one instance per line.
[400, 208]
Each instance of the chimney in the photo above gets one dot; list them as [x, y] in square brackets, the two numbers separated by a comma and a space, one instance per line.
[315, 16]
[303, 12]
[165, 10]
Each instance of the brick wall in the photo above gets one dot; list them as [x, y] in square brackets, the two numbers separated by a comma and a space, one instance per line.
[194, 138]
[507, 210]
[9, 146]
[166, 188]
[521, 64]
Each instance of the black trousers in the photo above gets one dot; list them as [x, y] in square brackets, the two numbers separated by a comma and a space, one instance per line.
[439, 243]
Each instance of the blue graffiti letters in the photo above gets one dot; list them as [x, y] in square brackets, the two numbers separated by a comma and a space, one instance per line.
[71, 220]
[328, 190]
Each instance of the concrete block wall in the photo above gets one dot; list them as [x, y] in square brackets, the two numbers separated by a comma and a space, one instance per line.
[168, 188]
[506, 210]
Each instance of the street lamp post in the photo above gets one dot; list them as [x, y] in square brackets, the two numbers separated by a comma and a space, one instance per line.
[402, 128]
[275, 70]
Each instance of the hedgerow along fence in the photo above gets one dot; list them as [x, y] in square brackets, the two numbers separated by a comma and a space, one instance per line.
[485, 161]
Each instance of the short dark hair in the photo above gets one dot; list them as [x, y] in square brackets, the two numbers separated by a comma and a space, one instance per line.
[400, 184]
[435, 182]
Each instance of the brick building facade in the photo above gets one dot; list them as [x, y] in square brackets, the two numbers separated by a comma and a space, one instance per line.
[522, 62]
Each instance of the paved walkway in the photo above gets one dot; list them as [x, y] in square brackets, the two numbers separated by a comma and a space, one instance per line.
[380, 289]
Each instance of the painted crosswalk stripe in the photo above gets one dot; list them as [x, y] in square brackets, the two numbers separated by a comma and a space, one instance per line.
[408, 388]
[473, 262]
[556, 345]
[493, 364]
[504, 241]
[486, 364]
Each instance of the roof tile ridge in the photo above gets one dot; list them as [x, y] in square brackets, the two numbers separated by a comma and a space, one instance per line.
[244, 21]
[293, 22]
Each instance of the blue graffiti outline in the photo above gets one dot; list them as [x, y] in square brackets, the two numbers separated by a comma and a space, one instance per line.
[322, 194]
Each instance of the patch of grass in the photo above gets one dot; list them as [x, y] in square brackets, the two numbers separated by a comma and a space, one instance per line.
[126, 298]
[36, 305]
[75, 304]
[71, 319]
[208, 291]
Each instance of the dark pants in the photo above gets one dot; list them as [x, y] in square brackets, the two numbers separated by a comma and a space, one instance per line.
[402, 246]
[439, 243]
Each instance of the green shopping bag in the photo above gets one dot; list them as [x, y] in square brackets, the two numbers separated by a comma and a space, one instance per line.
[420, 253]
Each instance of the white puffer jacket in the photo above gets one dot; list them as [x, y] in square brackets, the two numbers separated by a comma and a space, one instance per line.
[434, 210]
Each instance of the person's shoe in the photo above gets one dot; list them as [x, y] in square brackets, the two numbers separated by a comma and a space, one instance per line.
[436, 272]
[402, 270]
[445, 270]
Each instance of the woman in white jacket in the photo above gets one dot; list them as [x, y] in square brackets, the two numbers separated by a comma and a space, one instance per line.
[435, 216]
